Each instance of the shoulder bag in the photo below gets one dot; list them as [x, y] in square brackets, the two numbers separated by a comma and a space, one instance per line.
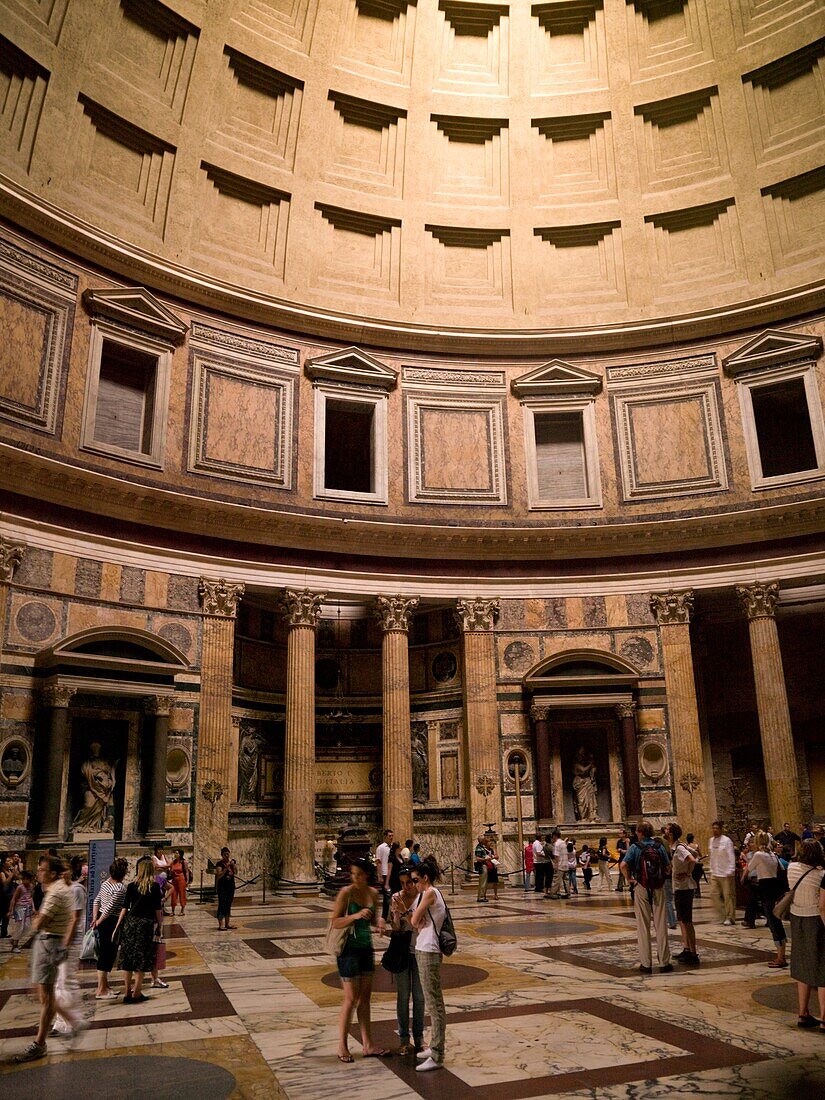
[396, 959]
[782, 909]
[336, 938]
[447, 939]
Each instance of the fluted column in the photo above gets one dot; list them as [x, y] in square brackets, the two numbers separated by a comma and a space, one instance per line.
[482, 768]
[214, 779]
[781, 778]
[301, 610]
[672, 611]
[626, 713]
[56, 699]
[393, 613]
[544, 798]
[11, 554]
[157, 710]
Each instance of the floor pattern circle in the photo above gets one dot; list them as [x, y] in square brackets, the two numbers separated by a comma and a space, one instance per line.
[129, 1075]
[453, 976]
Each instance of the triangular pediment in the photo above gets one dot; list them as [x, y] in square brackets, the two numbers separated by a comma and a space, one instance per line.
[556, 377]
[772, 348]
[352, 365]
[137, 308]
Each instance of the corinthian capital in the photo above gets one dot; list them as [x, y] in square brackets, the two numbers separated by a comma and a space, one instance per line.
[539, 714]
[11, 554]
[393, 612]
[758, 600]
[626, 710]
[58, 695]
[301, 608]
[220, 597]
[671, 608]
[477, 614]
[158, 704]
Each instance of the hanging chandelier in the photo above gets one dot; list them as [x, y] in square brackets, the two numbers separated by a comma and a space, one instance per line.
[338, 715]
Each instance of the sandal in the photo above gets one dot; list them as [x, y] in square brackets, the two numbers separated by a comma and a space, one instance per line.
[807, 1020]
[405, 1048]
[777, 965]
[379, 1054]
[346, 1058]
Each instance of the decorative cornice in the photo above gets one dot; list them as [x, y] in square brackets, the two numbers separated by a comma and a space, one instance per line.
[672, 608]
[626, 710]
[758, 600]
[477, 615]
[557, 378]
[353, 367]
[159, 705]
[135, 307]
[11, 554]
[393, 612]
[301, 608]
[219, 597]
[57, 696]
[540, 714]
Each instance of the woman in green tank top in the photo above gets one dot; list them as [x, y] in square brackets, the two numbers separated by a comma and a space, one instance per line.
[355, 909]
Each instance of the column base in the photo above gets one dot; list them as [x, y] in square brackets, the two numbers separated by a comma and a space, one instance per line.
[297, 890]
[49, 840]
[156, 836]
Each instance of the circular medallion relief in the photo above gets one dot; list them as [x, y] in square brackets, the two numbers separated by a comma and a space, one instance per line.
[653, 761]
[178, 635]
[15, 761]
[444, 667]
[637, 649]
[519, 656]
[36, 621]
[178, 766]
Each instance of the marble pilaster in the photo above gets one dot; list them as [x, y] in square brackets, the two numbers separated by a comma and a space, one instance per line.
[301, 611]
[626, 713]
[157, 709]
[219, 600]
[781, 777]
[393, 613]
[11, 554]
[56, 699]
[672, 612]
[482, 767]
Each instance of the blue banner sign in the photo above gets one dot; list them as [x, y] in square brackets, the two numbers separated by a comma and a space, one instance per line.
[101, 855]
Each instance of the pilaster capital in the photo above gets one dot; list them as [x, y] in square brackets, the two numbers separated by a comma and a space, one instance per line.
[672, 608]
[11, 554]
[219, 597]
[626, 710]
[236, 721]
[301, 608]
[393, 612]
[758, 600]
[159, 705]
[58, 695]
[540, 714]
[477, 615]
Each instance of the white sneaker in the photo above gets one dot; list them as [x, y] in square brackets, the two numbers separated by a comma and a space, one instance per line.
[423, 1067]
[727, 923]
[423, 1054]
[109, 995]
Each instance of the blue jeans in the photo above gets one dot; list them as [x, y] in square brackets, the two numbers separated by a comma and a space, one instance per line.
[571, 878]
[671, 912]
[408, 982]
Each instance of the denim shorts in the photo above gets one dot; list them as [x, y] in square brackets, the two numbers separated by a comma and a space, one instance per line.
[355, 961]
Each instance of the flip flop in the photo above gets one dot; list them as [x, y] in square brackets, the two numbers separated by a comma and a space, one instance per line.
[379, 1054]
[346, 1060]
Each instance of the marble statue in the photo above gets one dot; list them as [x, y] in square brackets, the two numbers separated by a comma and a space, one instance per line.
[585, 790]
[96, 815]
[420, 767]
[248, 752]
[13, 765]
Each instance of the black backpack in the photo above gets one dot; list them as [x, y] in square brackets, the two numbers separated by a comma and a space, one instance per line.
[652, 867]
[447, 939]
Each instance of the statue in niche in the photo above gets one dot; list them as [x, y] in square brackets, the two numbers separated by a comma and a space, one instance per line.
[585, 791]
[420, 766]
[96, 815]
[249, 750]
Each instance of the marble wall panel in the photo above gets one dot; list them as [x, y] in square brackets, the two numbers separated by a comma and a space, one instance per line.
[87, 578]
[34, 621]
[650, 718]
[84, 616]
[13, 815]
[177, 815]
[456, 450]
[516, 655]
[64, 572]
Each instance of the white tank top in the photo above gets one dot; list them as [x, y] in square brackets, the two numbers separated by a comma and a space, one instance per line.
[427, 939]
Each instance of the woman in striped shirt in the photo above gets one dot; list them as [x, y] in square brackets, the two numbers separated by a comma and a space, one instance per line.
[106, 910]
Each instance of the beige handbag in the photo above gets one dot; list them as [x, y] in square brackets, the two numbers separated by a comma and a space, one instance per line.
[782, 909]
[336, 938]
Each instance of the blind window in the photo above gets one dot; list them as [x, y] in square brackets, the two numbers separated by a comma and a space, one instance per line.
[125, 398]
[561, 471]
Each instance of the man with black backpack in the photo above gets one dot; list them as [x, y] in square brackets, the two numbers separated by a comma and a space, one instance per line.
[646, 865]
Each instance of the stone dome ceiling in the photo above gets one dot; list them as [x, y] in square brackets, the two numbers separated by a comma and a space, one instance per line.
[405, 167]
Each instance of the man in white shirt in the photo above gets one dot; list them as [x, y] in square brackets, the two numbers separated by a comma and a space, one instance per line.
[560, 865]
[722, 874]
[382, 858]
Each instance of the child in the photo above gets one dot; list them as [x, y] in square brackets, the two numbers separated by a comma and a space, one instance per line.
[22, 908]
[584, 863]
[571, 866]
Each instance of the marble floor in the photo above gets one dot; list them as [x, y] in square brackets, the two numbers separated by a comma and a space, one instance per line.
[543, 999]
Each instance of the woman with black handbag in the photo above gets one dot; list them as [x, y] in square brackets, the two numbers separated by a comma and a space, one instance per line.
[399, 959]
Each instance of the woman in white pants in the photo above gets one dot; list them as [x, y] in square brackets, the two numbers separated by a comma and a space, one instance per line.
[427, 919]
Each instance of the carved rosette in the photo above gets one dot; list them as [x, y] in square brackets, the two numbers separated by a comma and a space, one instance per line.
[626, 710]
[301, 608]
[393, 612]
[758, 600]
[220, 597]
[540, 714]
[672, 608]
[58, 695]
[11, 554]
[158, 704]
[477, 615]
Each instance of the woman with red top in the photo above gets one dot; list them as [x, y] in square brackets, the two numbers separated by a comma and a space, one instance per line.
[179, 876]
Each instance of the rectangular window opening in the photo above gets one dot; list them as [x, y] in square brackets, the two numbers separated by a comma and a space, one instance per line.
[783, 428]
[349, 446]
[561, 467]
[125, 407]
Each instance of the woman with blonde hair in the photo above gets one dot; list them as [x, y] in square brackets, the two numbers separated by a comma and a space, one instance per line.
[140, 917]
[764, 867]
